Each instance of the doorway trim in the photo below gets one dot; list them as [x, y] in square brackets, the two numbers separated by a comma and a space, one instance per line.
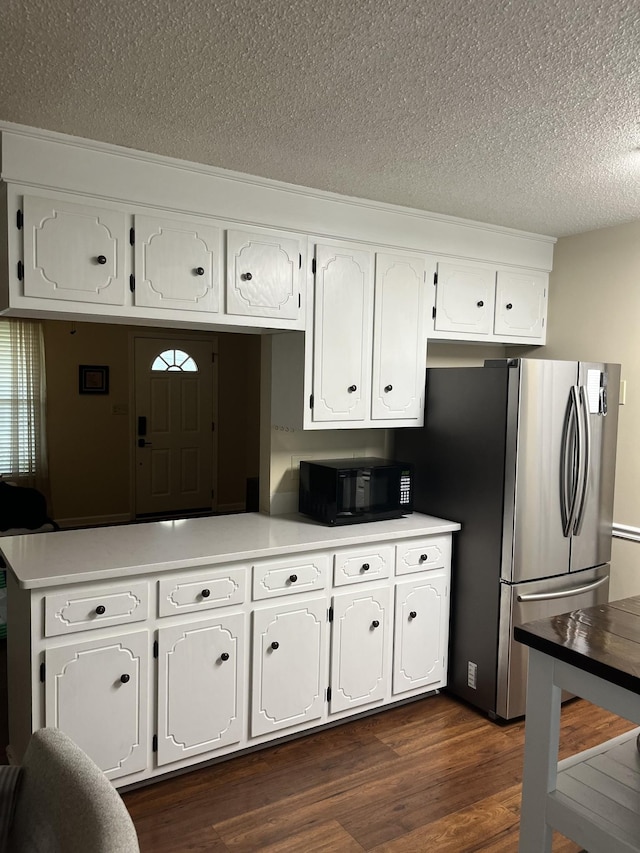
[177, 335]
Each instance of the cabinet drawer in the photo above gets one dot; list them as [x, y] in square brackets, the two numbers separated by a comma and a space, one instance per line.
[204, 590]
[354, 565]
[285, 577]
[423, 555]
[83, 609]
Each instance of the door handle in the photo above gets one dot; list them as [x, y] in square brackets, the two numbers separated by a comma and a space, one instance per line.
[562, 593]
[569, 464]
[585, 456]
[143, 443]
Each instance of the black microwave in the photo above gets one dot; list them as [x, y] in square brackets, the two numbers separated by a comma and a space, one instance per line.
[345, 491]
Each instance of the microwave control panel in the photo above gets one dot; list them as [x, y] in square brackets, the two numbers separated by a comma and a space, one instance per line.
[405, 489]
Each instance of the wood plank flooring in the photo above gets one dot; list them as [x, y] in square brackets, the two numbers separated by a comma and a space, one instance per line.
[434, 775]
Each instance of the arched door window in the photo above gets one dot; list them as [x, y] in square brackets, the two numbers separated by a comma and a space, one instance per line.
[175, 360]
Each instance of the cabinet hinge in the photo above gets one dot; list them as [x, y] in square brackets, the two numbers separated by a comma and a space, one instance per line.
[300, 260]
[132, 236]
[132, 282]
[313, 266]
[213, 493]
[155, 648]
[19, 219]
[43, 671]
[331, 614]
[328, 694]
[435, 278]
[433, 313]
[20, 270]
[213, 426]
[311, 401]
[213, 358]
[299, 301]
[154, 744]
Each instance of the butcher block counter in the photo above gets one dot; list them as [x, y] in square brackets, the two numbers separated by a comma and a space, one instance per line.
[161, 645]
[594, 797]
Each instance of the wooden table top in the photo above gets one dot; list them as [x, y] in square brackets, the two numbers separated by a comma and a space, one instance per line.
[603, 640]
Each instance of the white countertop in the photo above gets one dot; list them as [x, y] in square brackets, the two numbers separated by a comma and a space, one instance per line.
[102, 553]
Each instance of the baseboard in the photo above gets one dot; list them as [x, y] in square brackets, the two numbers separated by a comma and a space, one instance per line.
[221, 509]
[94, 520]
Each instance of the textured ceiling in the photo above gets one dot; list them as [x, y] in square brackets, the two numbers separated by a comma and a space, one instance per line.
[524, 113]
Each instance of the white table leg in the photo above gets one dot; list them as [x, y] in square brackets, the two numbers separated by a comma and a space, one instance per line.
[542, 733]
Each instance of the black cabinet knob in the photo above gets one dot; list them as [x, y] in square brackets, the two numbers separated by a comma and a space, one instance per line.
[224, 656]
[388, 388]
[205, 593]
[293, 578]
[275, 645]
[423, 558]
[101, 259]
[375, 623]
[352, 388]
[509, 306]
[246, 276]
[124, 678]
[101, 609]
[365, 567]
[199, 270]
[413, 614]
[480, 304]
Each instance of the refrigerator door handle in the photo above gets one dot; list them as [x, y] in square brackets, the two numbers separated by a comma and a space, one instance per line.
[584, 434]
[568, 474]
[563, 593]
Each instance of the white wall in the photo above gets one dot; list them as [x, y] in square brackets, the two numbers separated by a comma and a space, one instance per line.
[594, 314]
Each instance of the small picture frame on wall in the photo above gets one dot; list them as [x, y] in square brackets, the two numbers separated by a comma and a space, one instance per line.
[93, 379]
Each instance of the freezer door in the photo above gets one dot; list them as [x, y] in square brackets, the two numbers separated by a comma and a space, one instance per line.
[527, 602]
[538, 544]
[599, 387]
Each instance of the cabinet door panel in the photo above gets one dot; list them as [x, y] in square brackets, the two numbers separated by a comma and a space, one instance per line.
[263, 275]
[465, 298]
[177, 264]
[73, 251]
[288, 665]
[200, 687]
[342, 334]
[521, 300]
[359, 648]
[421, 617]
[97, 692]
[399, 338]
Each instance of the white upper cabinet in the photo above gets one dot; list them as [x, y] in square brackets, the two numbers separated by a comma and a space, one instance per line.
[177, 263]
[521, 304]
[363, 361]
[399, 336]
[479, 302]
[73, 251]
[342, 334]
[264, 274]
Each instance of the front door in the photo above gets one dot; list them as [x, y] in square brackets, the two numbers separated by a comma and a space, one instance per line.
[174, 401]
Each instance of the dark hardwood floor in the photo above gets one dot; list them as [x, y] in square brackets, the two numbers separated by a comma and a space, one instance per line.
[434, 775]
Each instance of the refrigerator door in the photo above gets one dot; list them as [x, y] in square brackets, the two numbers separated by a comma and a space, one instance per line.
[538, 543]
[527, 602]
[599, 387]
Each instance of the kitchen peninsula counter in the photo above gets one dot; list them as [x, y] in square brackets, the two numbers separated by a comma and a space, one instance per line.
[103, 553]
[159, 645]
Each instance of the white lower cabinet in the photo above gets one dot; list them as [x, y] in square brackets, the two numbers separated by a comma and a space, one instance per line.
[421, 631]
[360, 637]
[217, 658]
[288, 667]
[97, 692]
[200, 686]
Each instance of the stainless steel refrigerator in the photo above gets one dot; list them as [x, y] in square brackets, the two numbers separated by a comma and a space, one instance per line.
[522, 453]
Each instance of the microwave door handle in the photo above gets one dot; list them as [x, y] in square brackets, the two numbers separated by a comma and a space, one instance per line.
[563, 593]
[584, 433]
[568, 490]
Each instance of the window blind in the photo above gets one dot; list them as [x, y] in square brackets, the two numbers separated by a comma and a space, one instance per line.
[22, 401]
